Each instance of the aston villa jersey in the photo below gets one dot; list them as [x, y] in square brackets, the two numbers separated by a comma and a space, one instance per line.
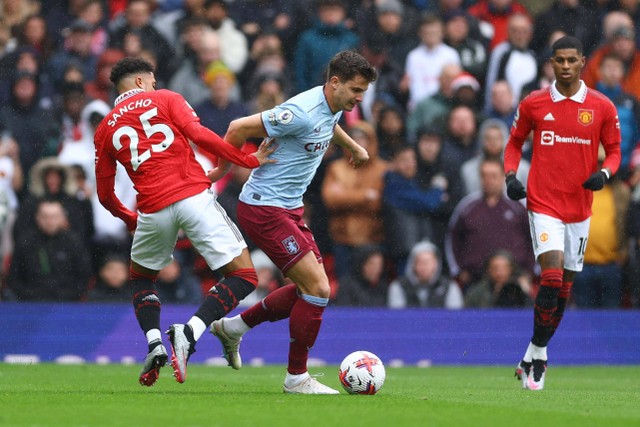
[566, 136]
[144, 133]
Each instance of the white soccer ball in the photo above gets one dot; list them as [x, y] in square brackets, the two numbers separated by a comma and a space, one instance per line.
[362, 372]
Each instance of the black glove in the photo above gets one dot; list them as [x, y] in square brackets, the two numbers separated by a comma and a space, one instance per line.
[515, 189]
[596, 181]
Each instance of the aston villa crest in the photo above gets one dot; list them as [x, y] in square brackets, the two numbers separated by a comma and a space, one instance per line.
[290, 245]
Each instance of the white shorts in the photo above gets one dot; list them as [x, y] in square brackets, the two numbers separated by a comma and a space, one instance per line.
[551, 234]
[204, 222]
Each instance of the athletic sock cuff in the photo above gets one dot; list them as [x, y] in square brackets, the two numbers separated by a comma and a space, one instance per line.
[320, 302]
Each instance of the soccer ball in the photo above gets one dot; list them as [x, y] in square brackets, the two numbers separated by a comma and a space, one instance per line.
[362, 372]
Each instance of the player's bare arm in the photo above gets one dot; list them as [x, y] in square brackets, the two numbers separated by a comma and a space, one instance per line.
[359, 156]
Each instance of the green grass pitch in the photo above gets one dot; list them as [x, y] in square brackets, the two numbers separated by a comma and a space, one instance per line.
[109, 395]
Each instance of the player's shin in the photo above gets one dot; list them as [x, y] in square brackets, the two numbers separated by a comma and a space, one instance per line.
[304, 325]
[224, 297]
[546, 306]
[146, 304]
[563, 299]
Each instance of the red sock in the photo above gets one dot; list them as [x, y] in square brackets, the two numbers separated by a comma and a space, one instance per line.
[275, 306]
[304, 326]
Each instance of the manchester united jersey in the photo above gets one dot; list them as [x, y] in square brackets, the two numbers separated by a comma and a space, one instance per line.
[566, 135]
[144, 133]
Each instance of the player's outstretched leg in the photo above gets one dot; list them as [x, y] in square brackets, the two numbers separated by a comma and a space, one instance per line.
[183, 346]
[156, 359]
[275, 306]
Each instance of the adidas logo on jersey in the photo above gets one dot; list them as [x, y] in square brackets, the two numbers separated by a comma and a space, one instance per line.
[549, 117]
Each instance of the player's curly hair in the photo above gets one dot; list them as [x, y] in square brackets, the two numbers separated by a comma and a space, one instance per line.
[127, 66]
[348, 64]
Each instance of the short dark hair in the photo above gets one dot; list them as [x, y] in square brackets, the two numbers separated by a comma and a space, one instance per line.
[348, 64]
[127, 66]
[567, 42]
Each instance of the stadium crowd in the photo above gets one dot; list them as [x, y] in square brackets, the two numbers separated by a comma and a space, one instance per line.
[426, 223]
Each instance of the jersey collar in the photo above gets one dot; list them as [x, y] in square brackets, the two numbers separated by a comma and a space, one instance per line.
[127, 94]
[578, 97]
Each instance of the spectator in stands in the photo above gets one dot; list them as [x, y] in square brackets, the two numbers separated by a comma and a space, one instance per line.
[26, 60]
[424, 284]
[473, 53]
[460, 142]
[432, 111]
[600, 283]
[494, 16]
[219, 109]
[254, 17]
[366, 283]
[512, 60]
[483, 223]
[101, 87]
[71, 128]
[353, 198]
[75, 50]
[111, 281]
[434, 171]
[16, 12]
[502, 106]
[390, 131]
[234, 50]
[390, 74]
[265, 57]
[621, 43]
[270, 91]
[393, 25]
[408, 206]
[137, 20]
[502, 285]
[188, 79]
[33, 33]
[627, 106]
[93, 13]
[50, 263]
[573, 18]
[493, 136]
[425, 62]
[317, 45]
[50, 180]
[30, 125]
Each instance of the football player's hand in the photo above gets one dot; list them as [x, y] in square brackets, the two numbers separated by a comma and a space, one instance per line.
[267, 147]
[596, 181]
[515, 189]
[219, 171]
[359, 157]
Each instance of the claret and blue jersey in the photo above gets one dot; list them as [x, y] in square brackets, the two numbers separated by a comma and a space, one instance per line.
[303, 127]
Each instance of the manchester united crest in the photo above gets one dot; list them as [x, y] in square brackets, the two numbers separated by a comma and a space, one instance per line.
[585, 117]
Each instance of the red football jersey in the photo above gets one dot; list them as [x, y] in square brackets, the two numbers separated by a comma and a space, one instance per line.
[144, 133]
[566, 136]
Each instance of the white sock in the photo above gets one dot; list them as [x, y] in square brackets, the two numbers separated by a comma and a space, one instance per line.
[235, 326]
[528, 354]
[539, 353]
[152, 335]
[198, 327]
[292, 380]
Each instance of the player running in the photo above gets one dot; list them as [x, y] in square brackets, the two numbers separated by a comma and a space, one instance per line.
[148, 132]
[270, 210]
[568, 121]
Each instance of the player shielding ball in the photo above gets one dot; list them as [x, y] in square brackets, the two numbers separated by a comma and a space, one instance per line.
[569, 121]
[148, 132]
[270, 210]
